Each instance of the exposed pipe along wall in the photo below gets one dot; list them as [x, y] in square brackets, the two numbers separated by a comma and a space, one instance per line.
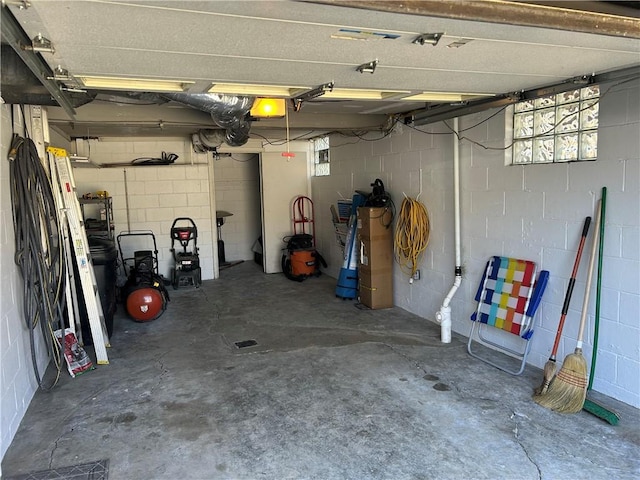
[443, 316]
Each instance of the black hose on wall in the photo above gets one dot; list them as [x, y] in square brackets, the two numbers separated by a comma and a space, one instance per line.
[39, 251]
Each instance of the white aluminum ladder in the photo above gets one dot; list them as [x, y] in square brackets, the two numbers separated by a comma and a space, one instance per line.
[71, 212]
[71, 295]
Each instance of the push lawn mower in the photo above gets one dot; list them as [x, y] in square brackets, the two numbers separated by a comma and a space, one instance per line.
[187, 262]
[144, 293]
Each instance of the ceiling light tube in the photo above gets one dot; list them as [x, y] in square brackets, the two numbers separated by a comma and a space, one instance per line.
[364, 94]
[256, 90]
[140, 84]
[445, 96]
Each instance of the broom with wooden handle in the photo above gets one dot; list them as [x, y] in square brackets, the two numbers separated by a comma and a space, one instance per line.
[568, 390]
[550, 366]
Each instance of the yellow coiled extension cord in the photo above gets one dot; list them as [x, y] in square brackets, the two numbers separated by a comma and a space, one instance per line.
[412, 235]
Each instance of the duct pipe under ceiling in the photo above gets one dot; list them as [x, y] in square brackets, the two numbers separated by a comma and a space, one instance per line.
[227, 111]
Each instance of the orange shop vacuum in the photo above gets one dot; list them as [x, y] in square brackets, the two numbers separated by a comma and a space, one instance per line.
[300, 258]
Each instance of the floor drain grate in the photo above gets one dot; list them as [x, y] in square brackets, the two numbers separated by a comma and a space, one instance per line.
[246, 343]
[86, 471]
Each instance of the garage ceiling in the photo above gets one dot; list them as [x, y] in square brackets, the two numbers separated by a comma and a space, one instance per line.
[305, 44]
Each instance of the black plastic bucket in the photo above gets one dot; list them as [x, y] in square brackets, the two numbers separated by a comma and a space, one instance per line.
[104, 256]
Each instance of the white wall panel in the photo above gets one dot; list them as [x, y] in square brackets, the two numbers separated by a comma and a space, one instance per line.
[282, 179]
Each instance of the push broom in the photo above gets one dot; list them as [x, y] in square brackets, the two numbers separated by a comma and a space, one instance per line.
[568, 390]
[550, 366]
[594, 408]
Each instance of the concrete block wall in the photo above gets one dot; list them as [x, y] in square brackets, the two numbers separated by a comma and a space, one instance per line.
[534, 212]
[152, 197]
[17, 381]
[237, 190]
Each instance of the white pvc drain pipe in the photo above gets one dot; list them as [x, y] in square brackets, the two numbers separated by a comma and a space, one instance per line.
[443, 316]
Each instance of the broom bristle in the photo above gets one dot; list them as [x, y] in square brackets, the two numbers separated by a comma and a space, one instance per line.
[548, 374]
[568, 390]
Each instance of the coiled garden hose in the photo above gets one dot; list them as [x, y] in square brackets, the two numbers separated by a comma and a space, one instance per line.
[39, 251]
[412, 235]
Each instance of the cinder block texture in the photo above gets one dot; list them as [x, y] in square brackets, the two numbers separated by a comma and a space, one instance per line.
[17, 382]
[150, 197]
[535, 212]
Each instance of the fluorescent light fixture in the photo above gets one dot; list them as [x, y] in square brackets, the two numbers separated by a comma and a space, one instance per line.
[268, 108]
[363, 94]
[256, 90]
[141, 84]
[369, 67]
[445, 96]
[428, 39]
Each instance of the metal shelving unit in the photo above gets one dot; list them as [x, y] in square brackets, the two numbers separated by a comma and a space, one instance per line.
[102, 224]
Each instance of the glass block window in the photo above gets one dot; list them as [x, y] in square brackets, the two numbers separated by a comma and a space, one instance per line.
[557, 128]
[321, 156]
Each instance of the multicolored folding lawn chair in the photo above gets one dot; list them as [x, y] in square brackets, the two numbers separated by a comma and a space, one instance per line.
[508, 297]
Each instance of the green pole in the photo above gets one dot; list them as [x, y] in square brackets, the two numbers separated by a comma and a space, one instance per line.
[598, 288]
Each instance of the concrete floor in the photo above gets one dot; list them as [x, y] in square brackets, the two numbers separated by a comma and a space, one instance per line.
[331, 391]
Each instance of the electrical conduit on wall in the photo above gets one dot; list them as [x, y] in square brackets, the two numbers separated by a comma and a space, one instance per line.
[443, 316]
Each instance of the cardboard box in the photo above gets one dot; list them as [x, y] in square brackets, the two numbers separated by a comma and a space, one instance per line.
[375, 264]
[376, 253]
[376, 288]
[374, 222]
[375, 237]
